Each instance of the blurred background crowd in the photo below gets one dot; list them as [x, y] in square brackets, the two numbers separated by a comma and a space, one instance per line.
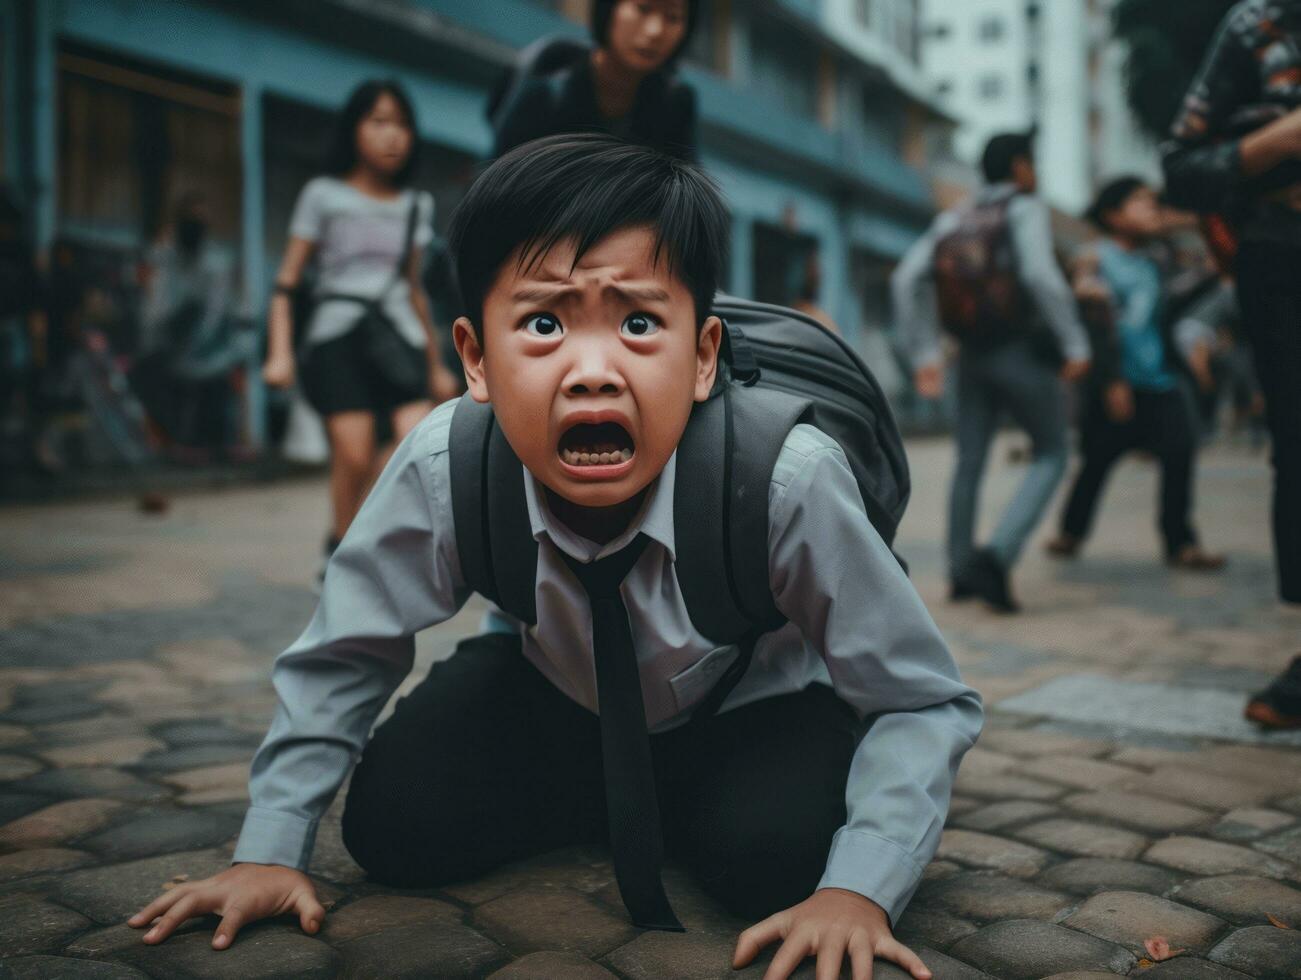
[152, 152]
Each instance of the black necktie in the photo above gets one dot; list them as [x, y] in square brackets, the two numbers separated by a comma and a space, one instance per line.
[634, 815]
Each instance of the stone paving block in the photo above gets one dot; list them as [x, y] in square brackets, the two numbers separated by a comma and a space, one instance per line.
[1137, 809]
[980, 762]
[194, 757]
[64, 968]
[996, 816]
[17, 767]
[583, 869]
[109, 941]
[683, 956]
[985, 897]
[1210, 857]
[330, 859]
[375, 913]
[695, 910]
[107, 752]
[1083, 975]
[533, 919]
[1286, 845]
[1129, 918]
[1084, 876]
[920, 926]
[13, 735]
[77, 782]
[1083, 839]
[1271, 766]
[962, 804]
[86, 729]
[1248, 823]
[112, 894]
[442, 950]
[994, 853]
[1190, 968]
[1026, 949]
[48, 712]
[1244, 899]
[1077, 772]
[15, 803]
[1034, 741]
[1008, 786]
[1292, 804]
[58, 822]
[163, 830]
[1262, 951]
[942, 967]
[22, 863]
[262, 951]
[552, 965]
[1200, 788]
[31, 925]
[211, 784]
[203, 731]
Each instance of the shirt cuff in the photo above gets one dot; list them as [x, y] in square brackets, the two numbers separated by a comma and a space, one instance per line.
[275, 837]
[874, 867]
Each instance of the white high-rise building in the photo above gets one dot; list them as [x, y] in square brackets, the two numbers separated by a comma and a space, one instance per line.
[1004, 65]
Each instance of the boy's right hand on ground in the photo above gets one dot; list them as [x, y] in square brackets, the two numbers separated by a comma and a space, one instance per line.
[278, 372]
[240, 894]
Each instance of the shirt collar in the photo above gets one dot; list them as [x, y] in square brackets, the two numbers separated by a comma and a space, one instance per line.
[655, 519]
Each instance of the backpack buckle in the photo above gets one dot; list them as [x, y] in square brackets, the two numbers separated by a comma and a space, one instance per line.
[739, 355]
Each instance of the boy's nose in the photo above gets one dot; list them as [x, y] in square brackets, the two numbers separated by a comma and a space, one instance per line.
[594, 373]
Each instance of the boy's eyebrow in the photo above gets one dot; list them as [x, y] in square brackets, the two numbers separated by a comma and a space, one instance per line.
[543, 294]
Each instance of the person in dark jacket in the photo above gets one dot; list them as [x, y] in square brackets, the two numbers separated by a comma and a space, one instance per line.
[624, 85]
[1235, 148]
[1137, 397]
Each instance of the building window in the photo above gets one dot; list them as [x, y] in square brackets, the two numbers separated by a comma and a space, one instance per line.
[990, 30]
[989, 88]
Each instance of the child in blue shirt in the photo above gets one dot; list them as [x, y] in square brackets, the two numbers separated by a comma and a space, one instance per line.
[811, 801]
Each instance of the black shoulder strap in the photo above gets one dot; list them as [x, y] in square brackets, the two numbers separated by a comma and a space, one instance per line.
[722, 566]
[494, 539]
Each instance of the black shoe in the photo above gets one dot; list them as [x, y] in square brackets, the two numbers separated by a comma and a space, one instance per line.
[962, 587]
[992, 584]
[1279, 705]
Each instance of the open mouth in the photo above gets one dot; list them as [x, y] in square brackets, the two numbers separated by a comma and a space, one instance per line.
[596, 444]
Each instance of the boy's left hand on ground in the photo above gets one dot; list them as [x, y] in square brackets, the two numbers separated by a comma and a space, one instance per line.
[832, 924]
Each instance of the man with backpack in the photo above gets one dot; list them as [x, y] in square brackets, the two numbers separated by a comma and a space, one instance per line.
[987, 275]
[813, 793]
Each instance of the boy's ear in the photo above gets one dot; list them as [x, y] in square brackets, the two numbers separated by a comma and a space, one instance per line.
[471, 351]
[707, 344]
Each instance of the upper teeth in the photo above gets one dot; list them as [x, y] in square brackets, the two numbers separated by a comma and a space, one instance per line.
[575, 457]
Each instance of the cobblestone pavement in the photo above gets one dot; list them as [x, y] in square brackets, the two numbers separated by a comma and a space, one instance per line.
[1095, 814]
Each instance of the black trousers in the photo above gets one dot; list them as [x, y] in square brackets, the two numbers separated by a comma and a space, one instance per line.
[1269, 293]
[1163, 425]
[485, 762]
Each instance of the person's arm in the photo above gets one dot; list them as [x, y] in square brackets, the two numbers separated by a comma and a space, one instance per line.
[1203, 162]
[305, 227]
[1037, 268]
[917, 312]
[834, 577]
[395, 572]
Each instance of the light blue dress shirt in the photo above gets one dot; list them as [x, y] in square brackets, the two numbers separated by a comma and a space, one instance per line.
[856, 623]
[1138, 298]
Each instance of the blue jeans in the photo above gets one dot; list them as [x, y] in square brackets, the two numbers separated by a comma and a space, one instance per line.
[1015, 380]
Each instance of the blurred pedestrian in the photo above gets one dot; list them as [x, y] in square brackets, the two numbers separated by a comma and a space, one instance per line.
[370, 347]
[624, 84]
[1136, 396]
[22, 322]
[189, 342]
[1253, 68]
[986, 273]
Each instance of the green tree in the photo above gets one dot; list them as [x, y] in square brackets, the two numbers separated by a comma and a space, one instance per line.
[1166, 39]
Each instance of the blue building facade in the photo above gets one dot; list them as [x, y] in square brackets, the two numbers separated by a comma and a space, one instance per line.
[112, 107]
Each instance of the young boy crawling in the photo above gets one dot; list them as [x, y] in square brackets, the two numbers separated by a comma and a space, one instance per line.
[590, 267]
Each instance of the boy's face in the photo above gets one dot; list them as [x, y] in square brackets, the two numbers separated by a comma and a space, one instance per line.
[591, 368]
[1139, 215]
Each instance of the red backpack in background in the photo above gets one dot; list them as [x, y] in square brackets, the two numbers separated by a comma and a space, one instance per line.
[980, 295]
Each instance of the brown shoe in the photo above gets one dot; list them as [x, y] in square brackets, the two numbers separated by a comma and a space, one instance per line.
[1279, 705]
[1063, 546]
[1191, 558]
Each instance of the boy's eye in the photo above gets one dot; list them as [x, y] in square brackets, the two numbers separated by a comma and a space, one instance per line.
[543, 325]
[640, 325]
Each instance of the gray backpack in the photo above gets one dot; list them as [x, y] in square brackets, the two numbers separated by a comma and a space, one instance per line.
[780, 368]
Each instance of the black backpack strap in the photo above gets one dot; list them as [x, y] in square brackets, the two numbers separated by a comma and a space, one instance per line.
[494, 538]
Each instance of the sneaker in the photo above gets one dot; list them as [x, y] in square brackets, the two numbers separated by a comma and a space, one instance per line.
[962, 586]
[1191, 558]
[1063, 546]
[992, 583]
[1279, 705]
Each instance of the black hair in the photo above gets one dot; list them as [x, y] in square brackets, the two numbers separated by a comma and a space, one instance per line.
[342, 156]
[1113, 195]
[1002, 151]
[603, 11]
[584, 187]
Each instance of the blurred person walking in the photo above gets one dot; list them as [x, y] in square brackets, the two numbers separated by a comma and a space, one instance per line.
[625, 84]
[986, 274]
[22, 326]
[370, 347]
[1135, 397]
[1235, 148]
